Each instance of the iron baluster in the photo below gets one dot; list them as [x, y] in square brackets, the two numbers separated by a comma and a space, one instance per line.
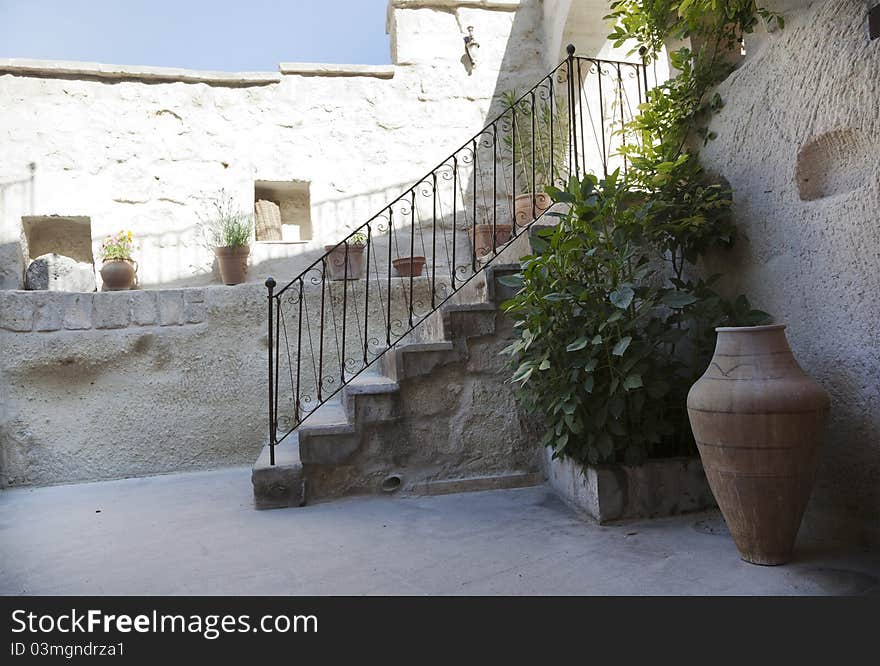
[297, 415]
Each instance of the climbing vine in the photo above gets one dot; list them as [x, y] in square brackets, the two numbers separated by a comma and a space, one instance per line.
[613, 326]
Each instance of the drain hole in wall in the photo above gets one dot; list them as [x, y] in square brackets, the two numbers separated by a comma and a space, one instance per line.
[391, 483]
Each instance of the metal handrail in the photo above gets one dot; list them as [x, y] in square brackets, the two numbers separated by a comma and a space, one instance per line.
[540, 136]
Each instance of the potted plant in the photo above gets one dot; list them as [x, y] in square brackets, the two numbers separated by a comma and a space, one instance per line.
[409, 266]
[229, 232]
[488, 237]
[538, 150]
[345, 260]
[118, 269]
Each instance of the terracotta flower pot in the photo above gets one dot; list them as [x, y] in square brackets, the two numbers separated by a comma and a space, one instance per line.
[233, 263]
[759, 422]
[118, 274]
[483, 235]
[409, 266]
[342, 265]
[523, 207]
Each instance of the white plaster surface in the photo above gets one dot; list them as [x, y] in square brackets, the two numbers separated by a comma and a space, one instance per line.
[145, 148]
[805, 104]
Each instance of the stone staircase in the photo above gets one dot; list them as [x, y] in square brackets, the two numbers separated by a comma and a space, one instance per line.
[435, 416]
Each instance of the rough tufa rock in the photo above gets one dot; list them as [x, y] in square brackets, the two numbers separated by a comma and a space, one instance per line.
[55, 272]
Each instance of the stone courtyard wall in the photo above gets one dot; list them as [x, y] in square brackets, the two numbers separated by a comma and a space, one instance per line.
[113, 384]
[144, 148]
[799, 141]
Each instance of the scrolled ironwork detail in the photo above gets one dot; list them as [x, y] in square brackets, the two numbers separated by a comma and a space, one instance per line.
[371, 289]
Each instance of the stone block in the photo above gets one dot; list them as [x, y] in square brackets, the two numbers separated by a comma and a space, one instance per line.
[280, 485]
[48, 311]
[112, 309]
[660, 487]
[171, 310]
[327, 448]
[144, 308]
[16, 311]
[194, 306]
[55, 272]
[78, 311]
[11, 266]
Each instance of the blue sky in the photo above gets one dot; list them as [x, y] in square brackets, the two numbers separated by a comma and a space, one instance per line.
[247, 35]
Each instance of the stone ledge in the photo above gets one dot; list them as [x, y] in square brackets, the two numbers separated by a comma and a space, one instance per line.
[475, 483]
[504, 5]
[46, 311]
[90, 70]
[660, 487]
[320, 69]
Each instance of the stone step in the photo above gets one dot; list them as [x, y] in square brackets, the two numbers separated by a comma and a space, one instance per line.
[332, 434]
[371, 383]
[280, 485]
[328, 419]
[327, 436]
[371, 398]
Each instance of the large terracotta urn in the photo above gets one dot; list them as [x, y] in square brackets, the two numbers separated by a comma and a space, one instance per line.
[759, 422]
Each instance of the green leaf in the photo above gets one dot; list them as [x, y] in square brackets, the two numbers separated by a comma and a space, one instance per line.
[511, 280]
[622, 297]
[617, 428]
[523, 372]
[632, 381]
[615, 382]
[605, 445]
[615, 406]
[596, 341]
[577, 345]
[621, 346]
[545, 365]
[678, 299]
[658, 389]
[589, 383]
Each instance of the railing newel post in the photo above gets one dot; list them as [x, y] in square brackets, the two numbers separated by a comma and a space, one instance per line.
[270, 287]
[572, 135]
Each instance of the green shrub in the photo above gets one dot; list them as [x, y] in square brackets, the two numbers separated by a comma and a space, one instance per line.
[609, 340]
[612, 327]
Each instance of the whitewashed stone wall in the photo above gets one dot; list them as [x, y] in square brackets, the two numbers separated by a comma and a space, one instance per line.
[799, 141]
[145, 148]
[104, 385]
[112, 384]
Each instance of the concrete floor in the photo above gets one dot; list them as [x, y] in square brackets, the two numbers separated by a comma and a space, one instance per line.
[197, 534]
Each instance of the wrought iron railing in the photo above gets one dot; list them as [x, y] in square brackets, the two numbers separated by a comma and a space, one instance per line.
[336, 318]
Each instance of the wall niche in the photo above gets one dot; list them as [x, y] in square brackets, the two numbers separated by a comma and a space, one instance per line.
[834, 163]
[287, 217]
[67, 235]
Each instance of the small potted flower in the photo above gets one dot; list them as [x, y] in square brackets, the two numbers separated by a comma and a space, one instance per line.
[538, 146]
[118, 269]
[229, 233]
[345, 260]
